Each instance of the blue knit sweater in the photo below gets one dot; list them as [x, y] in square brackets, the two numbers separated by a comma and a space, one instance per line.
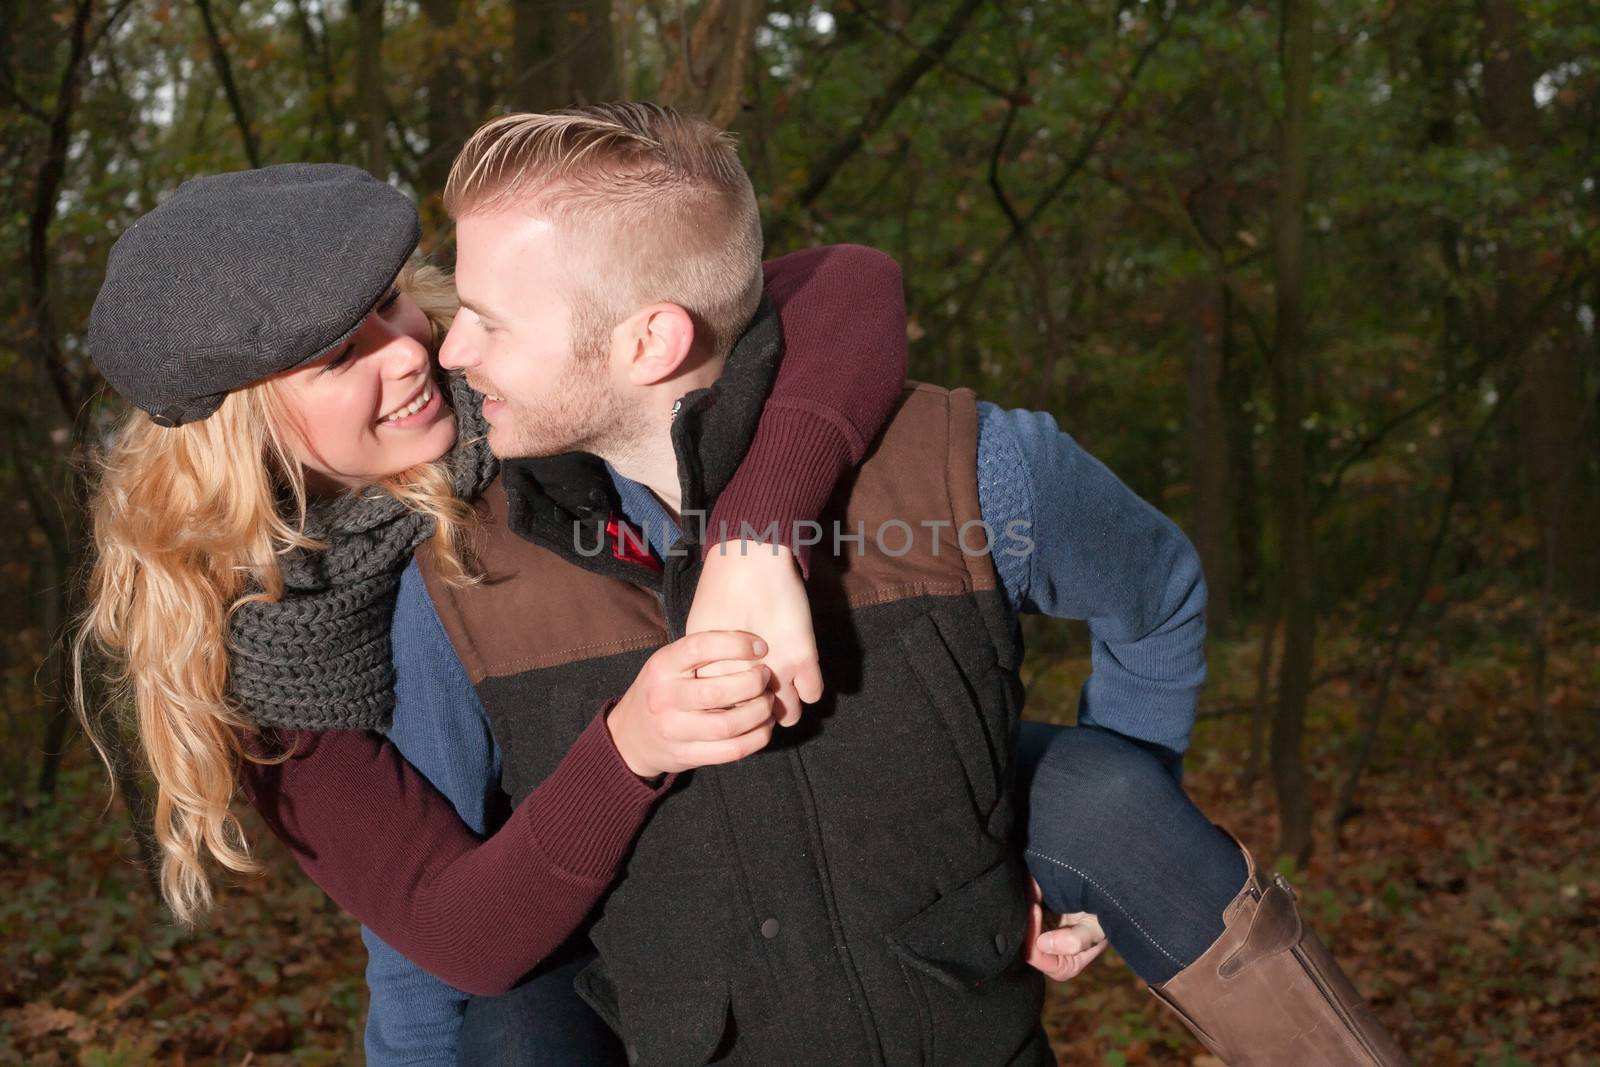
[1081, 545]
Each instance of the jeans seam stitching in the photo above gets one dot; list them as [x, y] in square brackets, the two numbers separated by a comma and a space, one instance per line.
[1117, 903]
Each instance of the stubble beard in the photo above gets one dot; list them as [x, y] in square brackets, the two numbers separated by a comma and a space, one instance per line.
[581, 413]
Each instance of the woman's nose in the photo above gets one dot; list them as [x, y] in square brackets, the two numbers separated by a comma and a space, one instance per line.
[401, 350]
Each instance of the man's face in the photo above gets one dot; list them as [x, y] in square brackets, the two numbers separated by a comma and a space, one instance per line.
[546, 391]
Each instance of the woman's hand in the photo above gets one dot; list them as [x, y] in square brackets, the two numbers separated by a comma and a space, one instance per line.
[747, 585]
[1061, 946]
[670, 721]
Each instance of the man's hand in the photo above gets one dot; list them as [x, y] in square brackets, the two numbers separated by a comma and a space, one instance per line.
[670, 721]
[747, 585]
[1061, 946]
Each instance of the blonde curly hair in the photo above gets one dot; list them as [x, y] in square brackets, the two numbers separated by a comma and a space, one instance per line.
[187, 524]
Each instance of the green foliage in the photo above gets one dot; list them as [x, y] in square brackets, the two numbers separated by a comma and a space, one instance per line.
[1134, 143]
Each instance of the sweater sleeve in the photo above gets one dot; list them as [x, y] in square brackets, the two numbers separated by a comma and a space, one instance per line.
[843, 370]
[390, 849]
[1073, 542]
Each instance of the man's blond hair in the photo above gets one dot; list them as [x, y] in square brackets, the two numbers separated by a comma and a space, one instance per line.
[655, 203]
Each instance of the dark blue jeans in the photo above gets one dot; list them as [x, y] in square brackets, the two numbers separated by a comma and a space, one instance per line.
[1109, 831]
[541, 1023]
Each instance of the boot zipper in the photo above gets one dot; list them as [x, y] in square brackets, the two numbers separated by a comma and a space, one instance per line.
[1317, 979]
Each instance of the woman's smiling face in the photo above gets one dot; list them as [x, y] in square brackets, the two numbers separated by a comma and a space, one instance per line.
[372, 407]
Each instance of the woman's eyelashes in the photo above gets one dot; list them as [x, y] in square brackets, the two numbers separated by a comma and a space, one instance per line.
[341, 359]
[384, 306]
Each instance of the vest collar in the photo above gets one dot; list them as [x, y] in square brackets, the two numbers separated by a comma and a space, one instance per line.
[564, 502]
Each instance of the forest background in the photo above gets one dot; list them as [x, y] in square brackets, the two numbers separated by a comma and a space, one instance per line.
[1317, 278]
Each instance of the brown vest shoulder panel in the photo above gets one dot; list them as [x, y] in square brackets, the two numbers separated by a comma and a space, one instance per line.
[534, 609]
[915, 499]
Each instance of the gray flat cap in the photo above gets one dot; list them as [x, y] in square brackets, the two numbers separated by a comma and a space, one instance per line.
[239, 276]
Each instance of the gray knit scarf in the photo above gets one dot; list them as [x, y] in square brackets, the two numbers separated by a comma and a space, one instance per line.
[318, 658]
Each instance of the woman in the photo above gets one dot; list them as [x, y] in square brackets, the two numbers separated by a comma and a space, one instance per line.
[279, 466]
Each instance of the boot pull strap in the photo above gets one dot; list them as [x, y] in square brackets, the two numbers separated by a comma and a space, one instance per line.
[1274, 928]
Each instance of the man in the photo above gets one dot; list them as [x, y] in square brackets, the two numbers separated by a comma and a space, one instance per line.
[851, 894]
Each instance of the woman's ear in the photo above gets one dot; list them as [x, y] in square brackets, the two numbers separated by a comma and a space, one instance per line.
[655, 341]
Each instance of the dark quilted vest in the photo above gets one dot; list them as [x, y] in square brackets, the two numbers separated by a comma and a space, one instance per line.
[851, 895]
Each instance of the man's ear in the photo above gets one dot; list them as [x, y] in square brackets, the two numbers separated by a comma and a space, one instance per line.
[655, 341]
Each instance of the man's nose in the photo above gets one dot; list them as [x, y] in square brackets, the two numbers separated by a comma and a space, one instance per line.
[456, 353]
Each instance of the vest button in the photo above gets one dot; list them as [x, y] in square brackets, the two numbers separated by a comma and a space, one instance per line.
[633, 1053]
[769, 929]
[1000, 943]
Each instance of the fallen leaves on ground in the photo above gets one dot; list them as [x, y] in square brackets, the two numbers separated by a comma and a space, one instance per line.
[1463, 898]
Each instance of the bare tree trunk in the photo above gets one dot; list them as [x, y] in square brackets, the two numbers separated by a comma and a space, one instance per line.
[1238, 387]
[314, 47]
[1563, 494]
[61, 520]
[57, 523]
[219, 59]
[56, 608]
[562, 54]
[370, 102]
[1205, 428]
[708, 74]
[534, 84]
[1551, 403]
[1297, 581]
[1261, 710]
[1345, 805]
[46, 188]
[590, 47]
[447, 124]
[58, 513]
[130, 786]
[56, 603]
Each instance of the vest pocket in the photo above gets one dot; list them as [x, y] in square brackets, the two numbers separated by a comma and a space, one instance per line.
[677, 1023]
[957, 708]
[962, 956]
[971, 934]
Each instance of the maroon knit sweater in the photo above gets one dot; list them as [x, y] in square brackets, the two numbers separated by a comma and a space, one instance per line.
[481, 913]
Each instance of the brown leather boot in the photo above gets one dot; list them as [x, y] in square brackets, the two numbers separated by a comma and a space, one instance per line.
[1268, 994]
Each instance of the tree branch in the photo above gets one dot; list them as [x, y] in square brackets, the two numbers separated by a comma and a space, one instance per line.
[27, 107]
[942, 60]
[1344, 807]
[1488, 360]
[46, 509]
[219, 59]
[45, 194]
[995, 154]
[112, 19]
[1180, 216]
[847, 146]
[1075, 164]
[315, 52]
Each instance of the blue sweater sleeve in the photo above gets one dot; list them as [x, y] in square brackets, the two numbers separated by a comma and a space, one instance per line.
[440, 727]
[1072, 541]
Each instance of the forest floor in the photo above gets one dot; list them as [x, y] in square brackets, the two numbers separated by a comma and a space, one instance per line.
[1464, 896]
